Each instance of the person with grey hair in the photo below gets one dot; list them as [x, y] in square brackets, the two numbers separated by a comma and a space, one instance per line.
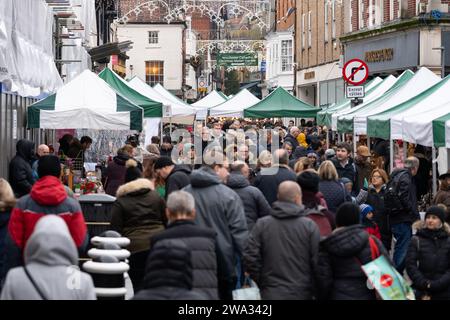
[255, 204]
[201, 241]
[400, 202]
[269, 179]
[291, 137]
[219, 207]
[282, 251]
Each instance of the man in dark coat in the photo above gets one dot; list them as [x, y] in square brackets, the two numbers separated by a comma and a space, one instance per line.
[269, 179]
[168, 273]
[220, 208]
[401, 219]
[255, 205]
[20, 171]
[282, 251]
[200, 241]
[175, 176]
[115, 172]
[344, 164]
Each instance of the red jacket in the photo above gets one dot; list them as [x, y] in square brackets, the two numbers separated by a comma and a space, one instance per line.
[47, 196]
[372, 228]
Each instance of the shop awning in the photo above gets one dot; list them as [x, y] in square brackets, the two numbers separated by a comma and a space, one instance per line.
[441, 131]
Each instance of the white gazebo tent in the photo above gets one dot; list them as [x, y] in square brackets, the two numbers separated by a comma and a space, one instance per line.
[235, 106]
[211, 100]
[86, 102]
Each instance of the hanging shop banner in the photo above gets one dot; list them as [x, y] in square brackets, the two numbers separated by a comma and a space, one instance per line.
[234, 59]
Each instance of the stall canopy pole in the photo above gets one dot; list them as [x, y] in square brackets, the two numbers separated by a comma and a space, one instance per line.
[391, 154]
[368, 143]
[354, 143]
[434, 163]
[405, 150]
[328, 138]
[162, 131]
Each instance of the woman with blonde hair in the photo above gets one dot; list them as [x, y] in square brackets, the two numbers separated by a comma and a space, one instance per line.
[7, 203]
[332, 189]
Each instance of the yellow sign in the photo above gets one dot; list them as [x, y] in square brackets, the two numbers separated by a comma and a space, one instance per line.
[380, 55]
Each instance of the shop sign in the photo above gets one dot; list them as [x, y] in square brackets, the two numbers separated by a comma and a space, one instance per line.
[379, 55]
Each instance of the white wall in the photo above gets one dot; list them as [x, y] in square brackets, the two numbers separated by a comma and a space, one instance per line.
[169, 50]
[273, 61]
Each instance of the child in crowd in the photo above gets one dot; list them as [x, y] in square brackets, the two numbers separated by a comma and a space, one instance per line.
[367, 220]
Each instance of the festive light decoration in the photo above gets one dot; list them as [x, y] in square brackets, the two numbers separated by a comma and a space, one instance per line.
[172, 10]
[230, 46]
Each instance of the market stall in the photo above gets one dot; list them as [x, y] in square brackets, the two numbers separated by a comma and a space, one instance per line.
[281, 103]
[235, 106]
[212, 99]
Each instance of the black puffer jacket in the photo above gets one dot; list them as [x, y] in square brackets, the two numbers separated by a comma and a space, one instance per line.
[178, 179]
[269, 179]
[255, 205]
[292, 140]
[376, 200]
[168, 273]
[202, 243]
[340, 276]
[282, 252]
[407, 195]
[20, 171]
[138, 213]
[428, 261]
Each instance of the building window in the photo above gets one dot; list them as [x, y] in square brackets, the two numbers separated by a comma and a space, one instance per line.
[379, 12]
[391, 10]
[153, 37]
[331, 91]
[361, 14]
[309, 29]
[333, 18]
[154, 72]
[303, 31]
[326, 21]
[286, 55]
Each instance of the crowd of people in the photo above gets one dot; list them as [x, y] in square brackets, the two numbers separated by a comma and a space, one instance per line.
[227, 201]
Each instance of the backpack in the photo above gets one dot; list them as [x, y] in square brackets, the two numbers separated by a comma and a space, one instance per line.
[319, 218]
[392, 203]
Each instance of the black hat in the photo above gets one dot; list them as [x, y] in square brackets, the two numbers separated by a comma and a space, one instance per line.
[445, 175]
[162, 162]
[133, 172]
[309, 181]
[437, 211]
[49, 166]
[347, 214]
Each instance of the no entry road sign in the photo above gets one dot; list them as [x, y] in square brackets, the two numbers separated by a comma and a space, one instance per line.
[355, 72]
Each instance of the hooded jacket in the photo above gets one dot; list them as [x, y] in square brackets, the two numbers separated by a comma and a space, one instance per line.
[340, 276]
[50, 255]
[220, 208]
[428, 261]
[202, 243]
[255, 205]
[168, 273]
[47, 196]
[138, 213]
[20, 171]
[282, 253]
[115, 174]
[178, 179]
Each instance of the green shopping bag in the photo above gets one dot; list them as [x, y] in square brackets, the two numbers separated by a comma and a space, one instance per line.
[386, 280]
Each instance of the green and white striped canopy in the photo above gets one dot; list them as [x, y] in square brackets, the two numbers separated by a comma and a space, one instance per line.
[441, 131]
[86, 102]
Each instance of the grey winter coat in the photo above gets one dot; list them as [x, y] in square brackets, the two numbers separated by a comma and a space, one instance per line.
[255, 204]
[408, 197]
[50, 255]
[282, 253]
[220, 208]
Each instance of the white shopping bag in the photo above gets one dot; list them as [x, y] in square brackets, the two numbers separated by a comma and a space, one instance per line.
[249, 291]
